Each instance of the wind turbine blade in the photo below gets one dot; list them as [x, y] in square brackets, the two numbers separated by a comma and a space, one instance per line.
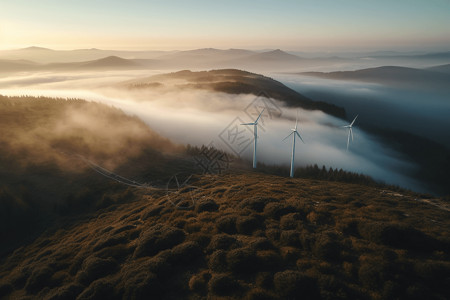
[354, 120]
[300, 136]
[248, 124]
[351, 131]
[259, 115]
[288, 135]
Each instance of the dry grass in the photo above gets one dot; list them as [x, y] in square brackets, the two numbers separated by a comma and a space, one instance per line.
[358, 243]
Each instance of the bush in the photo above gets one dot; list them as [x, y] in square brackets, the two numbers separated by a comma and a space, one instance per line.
[242, 260]
[397, 235]
[100, 289]
[247, 224]
[223, 285]
[141, 286]
[206, 205]
[290, 221]
[70, 291]
[118, 252]
[290, 238]
[152, 211]
[264, 280]
[261, 243]
[295, 285]
[273, 234]
[218, 261]
[259, 294]
[222, 241]
[187, 252]
[277, 210]
[268, 260]
[255, 204]
[227, 224]
[348, 227]
[198, 282]
[371, 274]
[94, 268]
[157, 238]
[160, 264]
[326, 247]
[39, 278]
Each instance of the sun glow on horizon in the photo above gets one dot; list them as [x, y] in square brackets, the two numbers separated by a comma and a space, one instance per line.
[177, 25]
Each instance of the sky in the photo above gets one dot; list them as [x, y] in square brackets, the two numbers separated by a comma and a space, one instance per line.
[296, 25]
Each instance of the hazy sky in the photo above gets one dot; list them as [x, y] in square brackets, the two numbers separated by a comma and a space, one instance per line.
[179, 24]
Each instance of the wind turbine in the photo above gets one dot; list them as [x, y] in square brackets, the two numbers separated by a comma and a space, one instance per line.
[255, 133]
[350, 130]
[294, 133]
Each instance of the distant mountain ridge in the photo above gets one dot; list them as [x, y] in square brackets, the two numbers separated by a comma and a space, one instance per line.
[212, 58]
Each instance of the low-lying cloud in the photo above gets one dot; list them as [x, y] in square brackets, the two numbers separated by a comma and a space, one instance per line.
[199, 117]
[420, 112]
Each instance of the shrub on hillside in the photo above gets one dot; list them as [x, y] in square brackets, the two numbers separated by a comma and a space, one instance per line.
[70, 291]
[259, 294]
[141, 285]
[227, 224]
[199, 282]
[326, 247]
[187, 252]
[295, 285]
[218, 261]
[290, 238]
[248, 224]
[242, 260]
[157, 238]
[98, 290]
[222, 241]
[94, 268]
[397, 235]
[39, 278]
[276, 210]
[206, 205]
[256, 204]
[223, 285]
[290, 221]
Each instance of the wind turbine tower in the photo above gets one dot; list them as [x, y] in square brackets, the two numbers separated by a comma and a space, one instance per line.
[255, 133]
[294, 133]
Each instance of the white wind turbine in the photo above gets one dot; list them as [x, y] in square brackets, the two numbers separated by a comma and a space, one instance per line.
[294, 133]
[255, 133]
[350, 131]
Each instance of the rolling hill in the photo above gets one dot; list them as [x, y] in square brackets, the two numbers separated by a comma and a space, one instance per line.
[441, 68]
[235, 82]
[391, 75]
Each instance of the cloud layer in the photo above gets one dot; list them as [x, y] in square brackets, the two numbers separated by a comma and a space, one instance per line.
[200, 117]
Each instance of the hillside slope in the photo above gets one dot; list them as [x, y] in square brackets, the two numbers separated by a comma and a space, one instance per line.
[234, 81]
[249, 236]
[47, 150]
